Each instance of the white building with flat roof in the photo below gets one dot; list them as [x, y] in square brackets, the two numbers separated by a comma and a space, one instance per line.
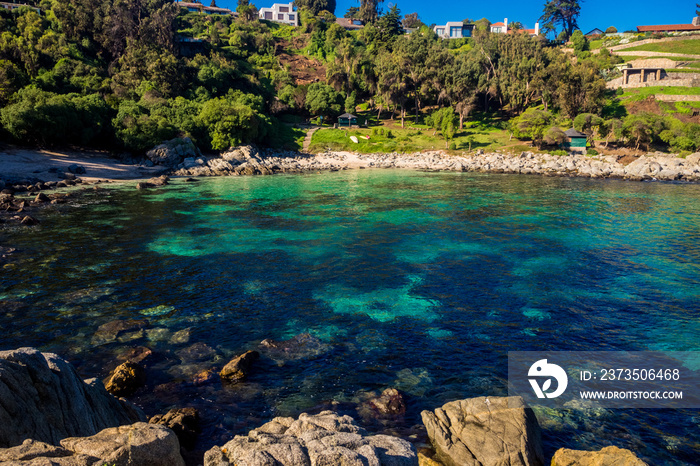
[280, 13]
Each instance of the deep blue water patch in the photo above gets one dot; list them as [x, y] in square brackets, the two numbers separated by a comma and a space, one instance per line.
[419, 281]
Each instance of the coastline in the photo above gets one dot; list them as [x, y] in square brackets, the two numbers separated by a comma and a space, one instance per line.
[25, 167]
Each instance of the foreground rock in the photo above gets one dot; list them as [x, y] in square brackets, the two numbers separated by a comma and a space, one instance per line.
[239, 367]
[612, 456]
[184, 422]
[323, 439]
[139, 444]
[488, 431]
[43, 398]
[302, 346]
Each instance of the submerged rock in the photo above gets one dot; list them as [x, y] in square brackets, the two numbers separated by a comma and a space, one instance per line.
[126, 379]
[390, 404]
[485, 430]
[607, 456]
[302, 346]
[239, 367]
[323, 439]
[184, 422]
[114, 329]
[44, 399]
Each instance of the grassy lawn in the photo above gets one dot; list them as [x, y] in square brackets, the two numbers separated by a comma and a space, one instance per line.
[689, 46]
[388, 136]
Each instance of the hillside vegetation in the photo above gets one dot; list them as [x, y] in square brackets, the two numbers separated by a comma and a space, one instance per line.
[128, 75]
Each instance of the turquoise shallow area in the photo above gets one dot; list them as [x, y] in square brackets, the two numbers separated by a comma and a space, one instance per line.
[420, 281]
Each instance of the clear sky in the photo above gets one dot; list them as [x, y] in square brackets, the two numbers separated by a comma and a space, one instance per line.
[623, 14]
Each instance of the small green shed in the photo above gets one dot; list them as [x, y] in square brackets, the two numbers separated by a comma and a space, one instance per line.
[575, 140]
[346, 119]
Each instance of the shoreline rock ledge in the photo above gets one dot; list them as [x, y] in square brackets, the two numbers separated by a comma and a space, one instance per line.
[485, 430]
[323, 439]
[44, 399]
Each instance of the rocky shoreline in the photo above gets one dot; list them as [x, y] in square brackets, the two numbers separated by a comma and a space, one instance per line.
[50, 416]
[247, 160]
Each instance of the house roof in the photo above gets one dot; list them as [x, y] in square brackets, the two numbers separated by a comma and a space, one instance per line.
[349, 23]
[572, 133]
[348, 116]
[498, 24]
[595, 32]
[668, 27]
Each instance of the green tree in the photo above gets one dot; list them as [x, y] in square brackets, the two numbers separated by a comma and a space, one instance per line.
[611, 30]
[579, 41]
[369, 11]
[351, 102]
[563, 13]
[247, 12]
[532, 124]
[412, 21]
[322, 99]
[443, 120]
[389, 24]
[352, 13]
[554, 136]
[316, 6]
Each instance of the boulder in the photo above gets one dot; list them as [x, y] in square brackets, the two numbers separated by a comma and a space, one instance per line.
[76, 169]
[41, 197]
[137, 444]
[238, 368]
[608, 456]
[184, 422]
[323, 439]
[115, 329]
[241, 154]
[173, 152]
[29, 221]
[44, 399]
[126, 379]
[485, 430]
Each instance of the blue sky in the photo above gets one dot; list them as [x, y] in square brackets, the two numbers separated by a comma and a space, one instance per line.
[623, 14]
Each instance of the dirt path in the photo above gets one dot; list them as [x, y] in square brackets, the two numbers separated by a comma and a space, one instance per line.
[641, 53]
[307, 139]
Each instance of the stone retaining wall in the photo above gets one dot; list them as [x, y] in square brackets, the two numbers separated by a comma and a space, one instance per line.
[652, 41]
[670, 80]
[677, 98]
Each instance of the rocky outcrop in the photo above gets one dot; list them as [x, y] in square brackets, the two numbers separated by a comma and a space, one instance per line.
[246, 160]
[485, 430]
[238, 368]
[173, 152]
[137, 444]
[184, 422]
[44, 399]
[154, 182]
[388, 405]
[323, 439]
[612, 456]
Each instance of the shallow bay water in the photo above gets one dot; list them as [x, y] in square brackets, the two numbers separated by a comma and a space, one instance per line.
[419, 281]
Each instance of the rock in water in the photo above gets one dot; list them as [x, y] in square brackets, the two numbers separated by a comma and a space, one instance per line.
[320, 440]
[184, 422]
[607, 456]
[238, 368]
[302, 346]
[389, 404]
[44, 399]
[126, 379]
[485, 430]
[137, 444]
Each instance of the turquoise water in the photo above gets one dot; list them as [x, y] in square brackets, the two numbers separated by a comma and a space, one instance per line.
[419, 281]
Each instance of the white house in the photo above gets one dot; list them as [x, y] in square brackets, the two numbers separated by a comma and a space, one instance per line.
[280, 13]
[454, 30]
[500, 28]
